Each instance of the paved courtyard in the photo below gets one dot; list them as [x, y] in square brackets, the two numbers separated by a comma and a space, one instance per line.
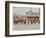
[19, 27]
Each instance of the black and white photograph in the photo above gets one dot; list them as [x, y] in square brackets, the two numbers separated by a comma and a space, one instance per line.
[26, 18]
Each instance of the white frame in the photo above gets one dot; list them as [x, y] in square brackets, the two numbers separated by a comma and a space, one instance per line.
[11, 5]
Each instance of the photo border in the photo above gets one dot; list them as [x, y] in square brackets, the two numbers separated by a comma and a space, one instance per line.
[7, 17]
